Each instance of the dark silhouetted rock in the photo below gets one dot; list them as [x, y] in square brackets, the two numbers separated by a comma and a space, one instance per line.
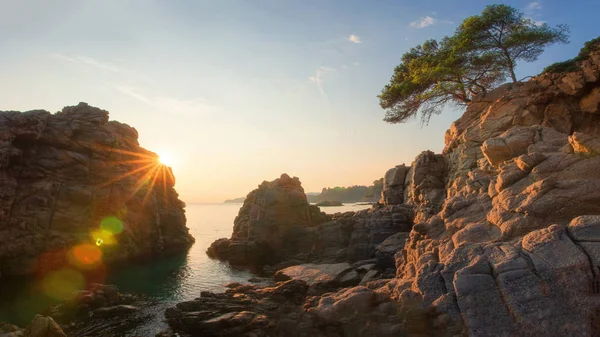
[63, 174]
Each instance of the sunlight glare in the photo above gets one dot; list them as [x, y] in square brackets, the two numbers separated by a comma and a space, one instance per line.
[165, 158]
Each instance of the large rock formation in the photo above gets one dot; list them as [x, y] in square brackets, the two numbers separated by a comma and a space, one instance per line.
[506, 254]
[276, 223]
[75, 178]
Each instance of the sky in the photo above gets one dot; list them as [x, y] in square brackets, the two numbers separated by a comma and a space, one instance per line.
[240, 91]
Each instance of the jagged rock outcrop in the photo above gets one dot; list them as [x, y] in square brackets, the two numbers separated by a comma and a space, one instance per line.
[276, 224]
[393, 185]
[503, 255]
[62, 174]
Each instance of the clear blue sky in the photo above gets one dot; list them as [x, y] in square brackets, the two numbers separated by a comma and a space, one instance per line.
[238, 92]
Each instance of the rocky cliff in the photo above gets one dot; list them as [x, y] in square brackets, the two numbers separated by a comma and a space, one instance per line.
[77, 189]
[512, 246]
[504, 229]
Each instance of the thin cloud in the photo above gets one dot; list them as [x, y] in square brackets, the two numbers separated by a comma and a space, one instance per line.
[531, 10]
[92, 62]
[423, 22]
[354, 39]
[87, 61]
[318, 78]
[534, 6]
[172, 105]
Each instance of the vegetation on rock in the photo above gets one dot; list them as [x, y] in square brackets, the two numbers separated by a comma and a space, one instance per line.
[572, 64]
[481, 54]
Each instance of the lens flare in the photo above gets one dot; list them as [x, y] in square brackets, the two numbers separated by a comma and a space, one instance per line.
[61, 283]
[112, 225]
[85, 256]
[102, 237]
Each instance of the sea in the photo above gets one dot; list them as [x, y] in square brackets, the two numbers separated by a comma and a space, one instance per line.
[162, 282]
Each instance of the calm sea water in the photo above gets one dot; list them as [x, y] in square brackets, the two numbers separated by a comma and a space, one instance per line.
[165, 281]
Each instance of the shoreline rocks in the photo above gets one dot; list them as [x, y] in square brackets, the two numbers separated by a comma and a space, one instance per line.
[77, 311]
[287, 308]
[99, 300]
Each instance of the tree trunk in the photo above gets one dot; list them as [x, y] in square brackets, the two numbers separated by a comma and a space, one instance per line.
[512, 74]
[511, 65]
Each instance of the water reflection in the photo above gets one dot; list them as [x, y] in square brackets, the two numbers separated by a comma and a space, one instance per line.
[160, 278]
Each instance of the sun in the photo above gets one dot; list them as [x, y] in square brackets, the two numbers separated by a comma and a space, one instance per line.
[150, 169]
[166, 158]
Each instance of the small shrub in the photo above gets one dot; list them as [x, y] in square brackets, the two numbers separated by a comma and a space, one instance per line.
[562, 67]
[573, 64]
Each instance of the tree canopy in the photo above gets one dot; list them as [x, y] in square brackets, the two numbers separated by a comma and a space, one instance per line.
[480, 55]
[507, 34]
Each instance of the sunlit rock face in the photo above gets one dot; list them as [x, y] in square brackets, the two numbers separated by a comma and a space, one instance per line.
[509, 246]
[77, 191]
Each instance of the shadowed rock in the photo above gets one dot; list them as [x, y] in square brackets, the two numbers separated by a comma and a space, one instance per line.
[62, 174]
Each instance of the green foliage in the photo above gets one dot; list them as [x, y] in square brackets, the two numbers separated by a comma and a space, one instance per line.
[435, 74]
[573, 64]
[562, 67]
[508, 36]
[478, 57]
